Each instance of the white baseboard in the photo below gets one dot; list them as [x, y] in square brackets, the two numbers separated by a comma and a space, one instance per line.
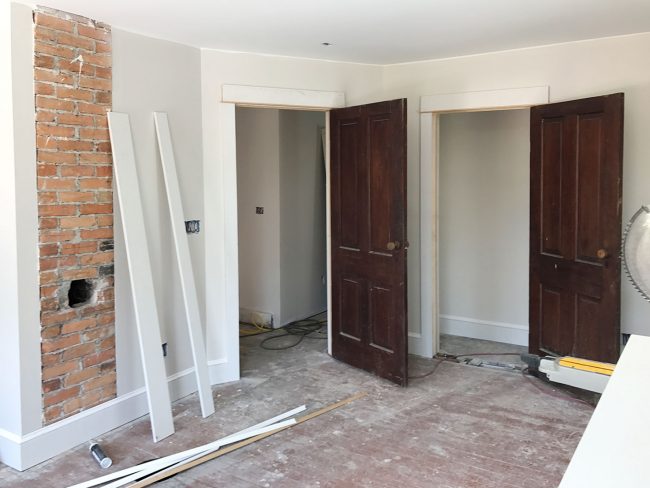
[23, 452]
[301, 316]
[484, 329]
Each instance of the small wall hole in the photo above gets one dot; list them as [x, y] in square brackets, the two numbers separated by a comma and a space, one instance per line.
[80, 293]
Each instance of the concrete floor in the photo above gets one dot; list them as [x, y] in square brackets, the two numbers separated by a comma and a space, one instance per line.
[461, 427]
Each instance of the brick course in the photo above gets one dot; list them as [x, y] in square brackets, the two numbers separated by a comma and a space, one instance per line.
[72, 86]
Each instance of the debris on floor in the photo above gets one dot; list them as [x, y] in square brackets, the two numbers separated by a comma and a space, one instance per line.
[486, 363]
[145, 474]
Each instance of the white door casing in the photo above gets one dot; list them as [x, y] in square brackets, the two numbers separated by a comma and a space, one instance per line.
[427, 343]
[221, 241]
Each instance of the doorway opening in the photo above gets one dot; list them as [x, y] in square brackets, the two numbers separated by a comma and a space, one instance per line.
[484, 213]
[573, 247]
[282, 237]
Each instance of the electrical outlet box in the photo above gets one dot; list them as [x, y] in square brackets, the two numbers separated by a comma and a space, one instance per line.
[192, 226]
[259, 210]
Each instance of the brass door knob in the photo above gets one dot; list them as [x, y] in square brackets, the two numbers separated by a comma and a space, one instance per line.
[602, 254]
[391, 246]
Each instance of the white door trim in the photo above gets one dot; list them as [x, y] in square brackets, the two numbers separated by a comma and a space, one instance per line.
[142, 287]
[224, 310]
[504, 99]
[263, 96]
[431, 107]
[184, 262]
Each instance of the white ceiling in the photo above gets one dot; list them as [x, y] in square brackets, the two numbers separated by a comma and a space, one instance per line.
[368, 31]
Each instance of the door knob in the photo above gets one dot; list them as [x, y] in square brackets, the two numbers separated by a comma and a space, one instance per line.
[602, 254]
[391, 246]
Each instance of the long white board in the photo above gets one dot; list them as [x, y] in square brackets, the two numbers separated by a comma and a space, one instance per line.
[142, 289]
[184, 260]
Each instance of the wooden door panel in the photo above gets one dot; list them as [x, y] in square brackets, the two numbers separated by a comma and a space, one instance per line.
[381, 317]
[589, 176]
[587, 335]
[576, 175]
[380, 184]
[551, 305]
[368, 192]
[350, 299]
[350, 183]
[551, 184]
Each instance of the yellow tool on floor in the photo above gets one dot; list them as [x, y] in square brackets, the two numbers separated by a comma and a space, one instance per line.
[587, 365]
[581, 373]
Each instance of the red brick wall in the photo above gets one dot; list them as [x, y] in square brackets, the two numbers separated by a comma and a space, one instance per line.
[72, 83]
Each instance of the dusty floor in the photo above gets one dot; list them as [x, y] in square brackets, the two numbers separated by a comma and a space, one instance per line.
[463, 427]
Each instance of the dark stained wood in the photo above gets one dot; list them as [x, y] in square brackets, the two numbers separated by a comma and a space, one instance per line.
[368, 201]
[575, 227]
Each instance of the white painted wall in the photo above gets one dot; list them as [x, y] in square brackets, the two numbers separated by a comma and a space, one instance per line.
[10, 407]
[153, 75]
[302, 216]
[572, 70]
[282, 252]
[258, 185]
[484, 224]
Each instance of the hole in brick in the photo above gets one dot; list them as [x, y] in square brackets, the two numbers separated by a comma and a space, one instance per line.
[80, 293]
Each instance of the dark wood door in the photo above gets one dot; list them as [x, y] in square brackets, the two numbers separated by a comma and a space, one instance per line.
[368, 202]
[575, 221]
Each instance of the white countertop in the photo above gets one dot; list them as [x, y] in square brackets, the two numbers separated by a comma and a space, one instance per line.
[615, 449]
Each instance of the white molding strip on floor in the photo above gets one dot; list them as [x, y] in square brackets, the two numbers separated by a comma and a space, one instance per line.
[484, 329]
[22, 453]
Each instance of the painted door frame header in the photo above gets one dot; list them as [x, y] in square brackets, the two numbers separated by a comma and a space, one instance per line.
[289, 98]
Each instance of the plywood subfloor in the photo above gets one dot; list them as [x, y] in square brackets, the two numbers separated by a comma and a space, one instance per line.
[462, 427]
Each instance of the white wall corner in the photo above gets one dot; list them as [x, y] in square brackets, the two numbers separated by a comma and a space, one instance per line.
[20, 409]
[230, 329]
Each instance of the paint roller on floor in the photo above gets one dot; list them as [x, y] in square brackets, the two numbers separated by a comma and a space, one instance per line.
[98, 455]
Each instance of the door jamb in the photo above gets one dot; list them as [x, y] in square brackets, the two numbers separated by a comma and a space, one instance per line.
[431, 107]
[261, 97]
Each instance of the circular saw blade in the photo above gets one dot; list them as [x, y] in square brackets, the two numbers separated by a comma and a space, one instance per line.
[636, 251]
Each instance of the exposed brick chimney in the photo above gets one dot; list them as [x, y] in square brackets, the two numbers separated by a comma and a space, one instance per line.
[72, 83]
